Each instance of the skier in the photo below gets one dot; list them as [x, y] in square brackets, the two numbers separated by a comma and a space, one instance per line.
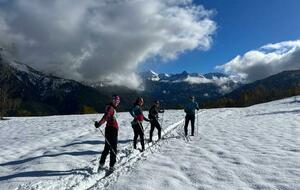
[111, 132]
[138, 117]
[153, 116]
[190, 115]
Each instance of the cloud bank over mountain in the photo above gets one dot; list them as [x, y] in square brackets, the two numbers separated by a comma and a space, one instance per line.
[265, 61]
[103, 40]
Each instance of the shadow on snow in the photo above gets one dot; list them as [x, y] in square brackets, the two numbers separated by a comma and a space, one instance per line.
[276, 112]
[82, 153]
[45, 173]
[95, 142]
[89, 152]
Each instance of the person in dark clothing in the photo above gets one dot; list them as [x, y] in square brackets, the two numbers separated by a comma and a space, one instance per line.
[153, 116]
[137, 123]
[111, 132]
[190, 115]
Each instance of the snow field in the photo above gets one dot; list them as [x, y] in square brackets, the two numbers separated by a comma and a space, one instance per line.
[58, 152]
[236, 148]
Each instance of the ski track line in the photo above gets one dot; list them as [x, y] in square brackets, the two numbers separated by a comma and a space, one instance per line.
[129, 158]
[84, 178]
[135, 158]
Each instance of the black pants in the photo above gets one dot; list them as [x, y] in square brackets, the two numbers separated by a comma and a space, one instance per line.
[111, 135]
[187, 119]
[138, 131]
[155, 124]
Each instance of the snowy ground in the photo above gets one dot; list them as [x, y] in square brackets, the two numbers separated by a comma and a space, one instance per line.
[243, 148]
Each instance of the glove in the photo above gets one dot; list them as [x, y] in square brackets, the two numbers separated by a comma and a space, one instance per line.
[96, 124]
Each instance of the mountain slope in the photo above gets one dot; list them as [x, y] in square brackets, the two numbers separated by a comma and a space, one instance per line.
[35, 93]
[281, 85]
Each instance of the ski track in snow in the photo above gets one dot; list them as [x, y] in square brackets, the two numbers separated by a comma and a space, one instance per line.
[236, 148]
[60, 152]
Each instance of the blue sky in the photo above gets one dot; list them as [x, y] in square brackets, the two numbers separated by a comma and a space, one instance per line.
[243, 25]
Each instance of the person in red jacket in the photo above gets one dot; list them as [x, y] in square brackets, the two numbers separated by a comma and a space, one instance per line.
[111, 132]
[137, 123]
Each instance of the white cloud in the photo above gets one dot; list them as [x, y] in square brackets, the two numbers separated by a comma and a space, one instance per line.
[222, 82]
[219, 81]
[265, 61]
[197, 80]
[99, 40]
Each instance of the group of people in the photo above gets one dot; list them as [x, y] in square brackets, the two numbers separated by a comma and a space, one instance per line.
[112, 127]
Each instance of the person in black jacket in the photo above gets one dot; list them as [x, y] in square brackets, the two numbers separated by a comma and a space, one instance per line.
[153, 116]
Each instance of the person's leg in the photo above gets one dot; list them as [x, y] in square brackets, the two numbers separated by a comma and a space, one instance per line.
[193, 124]
[151, 130]
[114, 142]
[136, 133]
[158, 127]
[141, 133]
[106, 149]
[186, 125]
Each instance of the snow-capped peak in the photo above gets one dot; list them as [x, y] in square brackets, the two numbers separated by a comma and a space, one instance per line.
[150, 75]
[153, 73]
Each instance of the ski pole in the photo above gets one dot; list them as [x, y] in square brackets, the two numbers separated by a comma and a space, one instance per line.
[162, 122]
[144, 135]
[109, 145]
[198, 123]
[162, 118]
[147, 126]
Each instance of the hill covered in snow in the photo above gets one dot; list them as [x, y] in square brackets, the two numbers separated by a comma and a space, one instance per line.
[278, 86]
[235, 148]
[32, 92]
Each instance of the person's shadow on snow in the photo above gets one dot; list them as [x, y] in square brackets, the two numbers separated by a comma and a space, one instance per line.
[82, 153]
[44, 173]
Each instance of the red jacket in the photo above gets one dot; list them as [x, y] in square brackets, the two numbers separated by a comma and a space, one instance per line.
[109, 117]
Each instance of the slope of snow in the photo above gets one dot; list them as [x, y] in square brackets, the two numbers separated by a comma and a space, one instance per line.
[242, 148]
[25, 72]
[248, 148]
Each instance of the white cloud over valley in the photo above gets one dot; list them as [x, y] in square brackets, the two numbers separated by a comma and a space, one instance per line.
[103, 40]
[265, 61]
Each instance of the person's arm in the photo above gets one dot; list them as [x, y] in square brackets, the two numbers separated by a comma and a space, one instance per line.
[161, 111]
[109, 113]
[197, 106]
[132, 112]
[146, 119]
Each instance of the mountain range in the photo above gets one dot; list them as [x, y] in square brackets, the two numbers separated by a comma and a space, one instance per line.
[26, 91]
